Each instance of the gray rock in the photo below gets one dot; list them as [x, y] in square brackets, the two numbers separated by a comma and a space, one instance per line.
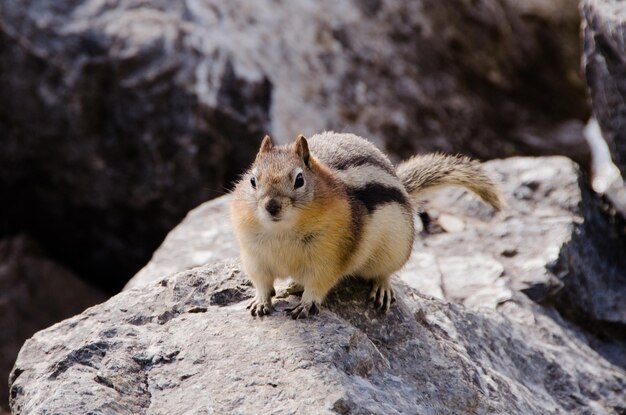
[118, 117]
[553, 242]
[188, 345]
[35, 292]
[558, 243]
[592, 266]
[517, 248]
[604, 28]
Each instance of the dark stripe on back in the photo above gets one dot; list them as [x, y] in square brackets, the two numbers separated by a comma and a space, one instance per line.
[357, 213]
[377, 194]
[344, 163]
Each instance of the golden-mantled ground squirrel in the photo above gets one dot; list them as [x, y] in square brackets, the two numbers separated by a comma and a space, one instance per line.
[334, 206]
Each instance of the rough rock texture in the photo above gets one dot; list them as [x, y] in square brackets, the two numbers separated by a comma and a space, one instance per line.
[187, 345]
[35, 292]
[593, 268]
[557, 242]
[604, 31]
[554, 242]
[117, 117]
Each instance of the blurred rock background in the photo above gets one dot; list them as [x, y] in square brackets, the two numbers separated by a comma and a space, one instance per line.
[118, 117]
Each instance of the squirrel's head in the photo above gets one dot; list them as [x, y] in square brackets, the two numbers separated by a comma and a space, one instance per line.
[280, 183]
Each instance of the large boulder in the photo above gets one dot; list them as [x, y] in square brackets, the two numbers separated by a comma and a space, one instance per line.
[118, 117]
[604, 30]
[187, 344]
[470, 337]
[35, 292]
[554, 242]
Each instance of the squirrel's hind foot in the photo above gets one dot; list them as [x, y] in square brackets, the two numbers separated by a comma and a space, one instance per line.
[303, 309]
[382, 295]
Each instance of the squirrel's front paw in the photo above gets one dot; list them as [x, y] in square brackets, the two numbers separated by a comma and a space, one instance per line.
[260, 307]
[304, 308]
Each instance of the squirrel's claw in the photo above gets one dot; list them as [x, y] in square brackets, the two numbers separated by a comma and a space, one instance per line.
[382, 296]
[303, 309]
[260, 308]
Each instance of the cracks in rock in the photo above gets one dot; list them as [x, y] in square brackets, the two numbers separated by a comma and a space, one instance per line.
[88, 355]
[588, 270]
[206, 293]
[104, 381]
[14, 390]
[197, 310]
[15, 374]
[146, 361]
[146, 390]
[229, 296]
[167, 316]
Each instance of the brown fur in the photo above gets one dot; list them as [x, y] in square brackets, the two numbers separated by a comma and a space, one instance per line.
[423, 172]
[348, 215]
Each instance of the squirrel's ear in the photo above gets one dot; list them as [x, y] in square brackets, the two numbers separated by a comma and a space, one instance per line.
[302, 149]
[266, 145]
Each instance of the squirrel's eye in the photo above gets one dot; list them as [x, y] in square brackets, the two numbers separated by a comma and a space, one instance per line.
[253, 182]
[299, 181]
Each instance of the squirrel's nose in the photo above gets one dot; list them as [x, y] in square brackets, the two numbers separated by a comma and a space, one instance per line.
[272, 207]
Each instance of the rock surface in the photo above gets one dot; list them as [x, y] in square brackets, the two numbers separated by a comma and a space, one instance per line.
[554, 242]
[35, 292]
[185, 342]
[118, 117]
[604, 30]
[187, 345]
[557, 242]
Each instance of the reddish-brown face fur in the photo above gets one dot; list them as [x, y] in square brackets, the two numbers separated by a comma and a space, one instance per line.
[274, 173]
[314, 221]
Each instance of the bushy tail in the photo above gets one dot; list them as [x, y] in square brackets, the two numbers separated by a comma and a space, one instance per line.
[433, 170]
